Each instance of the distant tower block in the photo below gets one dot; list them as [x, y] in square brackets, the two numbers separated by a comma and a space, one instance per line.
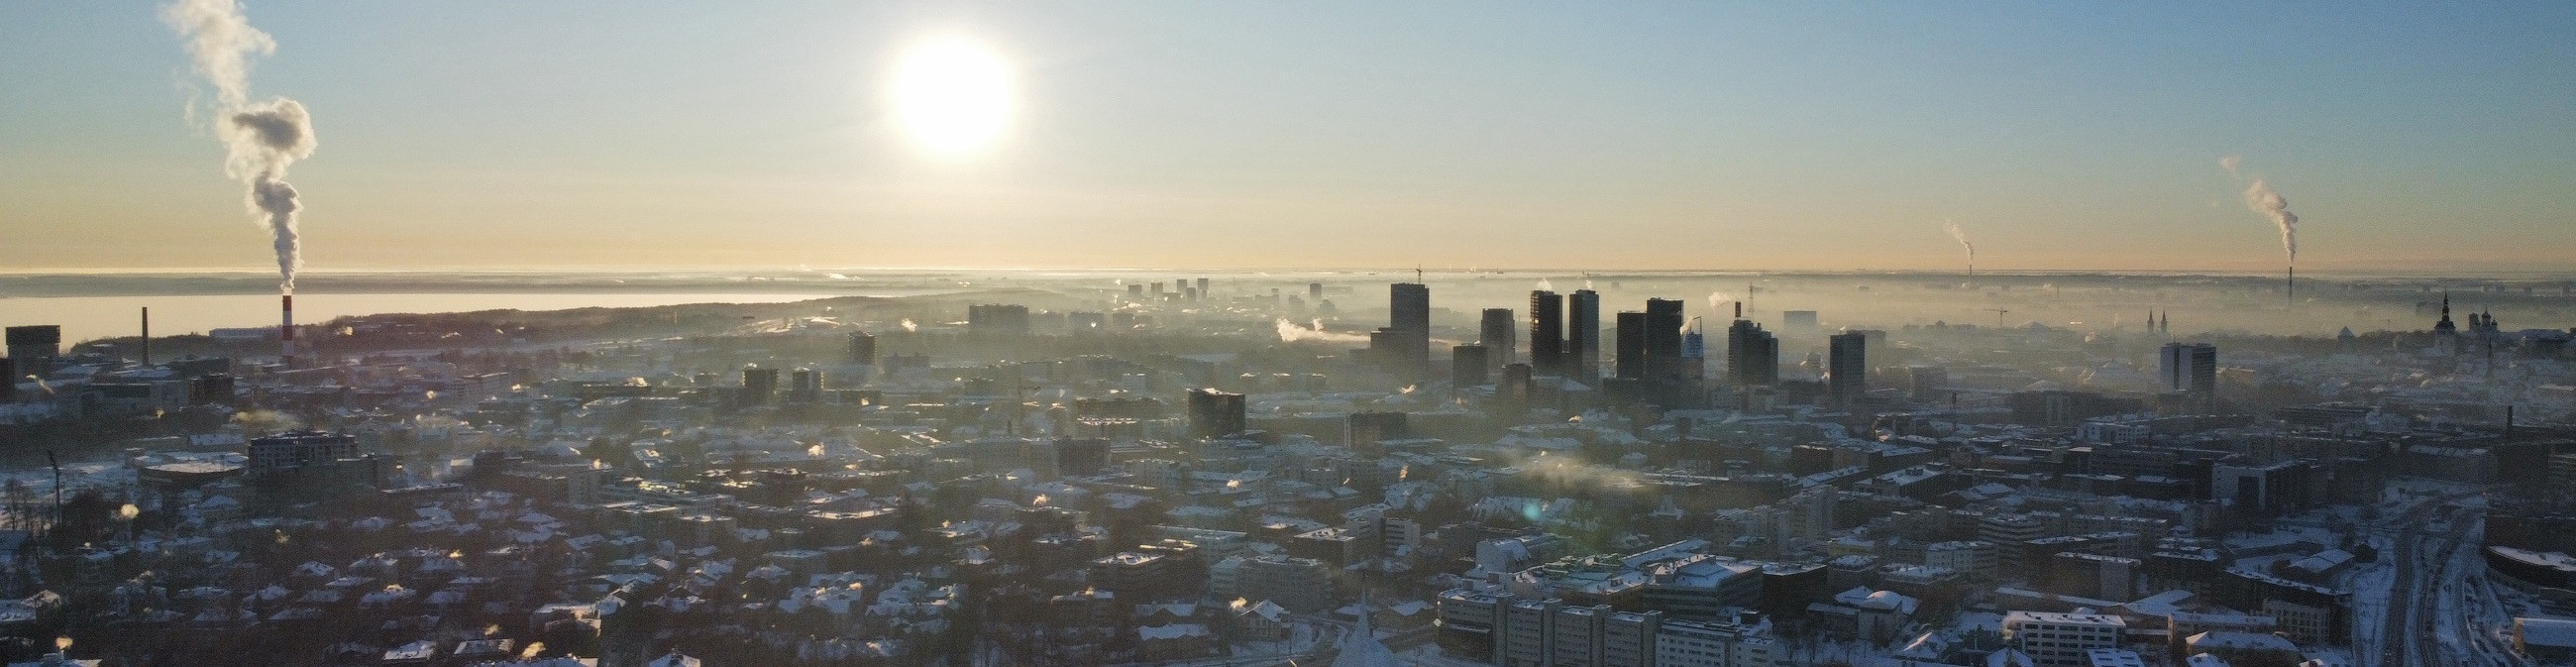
[1847, 374]
[1495, 333]
[863, 348]
[1583, 336]
[1547, 333]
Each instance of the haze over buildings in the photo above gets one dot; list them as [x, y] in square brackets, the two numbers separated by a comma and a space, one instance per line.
[943, 387]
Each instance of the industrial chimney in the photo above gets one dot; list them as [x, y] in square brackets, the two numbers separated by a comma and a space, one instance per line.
[286, 332]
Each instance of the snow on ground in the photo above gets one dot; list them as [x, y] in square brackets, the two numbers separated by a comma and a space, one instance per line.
[2370, 595]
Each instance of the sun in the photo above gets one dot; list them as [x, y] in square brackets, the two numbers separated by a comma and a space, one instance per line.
[952, 95]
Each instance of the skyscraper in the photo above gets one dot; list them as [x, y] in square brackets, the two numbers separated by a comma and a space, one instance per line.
[1547, 333]
[1496, 335]
[1630, 360]
[1695, 353]
[1663, 339]
[1409, 316]
[1583, 336]
[1752, 355]
[1848, 367]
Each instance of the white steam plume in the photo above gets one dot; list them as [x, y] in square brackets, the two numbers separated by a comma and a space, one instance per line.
[2260, 197]
[1545, 285]
[261, 139]
[1961, 235]
[1718, 298]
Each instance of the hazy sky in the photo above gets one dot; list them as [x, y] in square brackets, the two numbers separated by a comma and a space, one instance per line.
[1767, 135]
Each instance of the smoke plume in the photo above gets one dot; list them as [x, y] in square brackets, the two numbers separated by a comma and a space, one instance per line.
[1718, 298]
[2260, 197]
[1961, 235]
[261, 139]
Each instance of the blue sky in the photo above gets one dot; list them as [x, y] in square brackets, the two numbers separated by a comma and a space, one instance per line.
[1687, 135]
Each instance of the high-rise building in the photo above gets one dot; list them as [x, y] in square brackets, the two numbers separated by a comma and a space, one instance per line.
[1847, 368]
[1694, 353]
[1409, 317]
[2188, 367]
[1547, 333]
[1215, 413]
[1630, 358]
[1752, 355]
[863, 348]
[1583, 336]
[1469, 366]
[1495, 333]
[1203, 284]
[1663, 340]
[1315, 291]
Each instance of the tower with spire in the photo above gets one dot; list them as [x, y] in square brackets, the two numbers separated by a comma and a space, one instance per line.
[2446, 334]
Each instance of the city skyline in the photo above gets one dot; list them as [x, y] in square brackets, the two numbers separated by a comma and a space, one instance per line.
[1836, 138]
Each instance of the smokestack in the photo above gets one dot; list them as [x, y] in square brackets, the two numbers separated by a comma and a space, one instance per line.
[1739, 310]
[2293, 288]
[147, 335]
[286, 331]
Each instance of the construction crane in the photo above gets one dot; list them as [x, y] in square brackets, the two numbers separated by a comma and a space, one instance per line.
[1999, 316]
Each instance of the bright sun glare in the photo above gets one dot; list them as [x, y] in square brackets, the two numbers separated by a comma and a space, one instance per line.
[952, 95]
